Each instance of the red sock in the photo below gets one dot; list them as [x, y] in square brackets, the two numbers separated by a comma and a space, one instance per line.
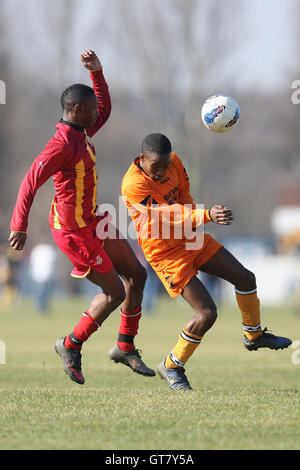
[128, 329]
[82, 331]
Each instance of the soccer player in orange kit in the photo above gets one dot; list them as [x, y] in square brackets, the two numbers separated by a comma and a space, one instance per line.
[156, 190]
[70, 158]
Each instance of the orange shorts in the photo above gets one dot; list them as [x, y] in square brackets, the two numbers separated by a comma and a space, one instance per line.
[178, 269]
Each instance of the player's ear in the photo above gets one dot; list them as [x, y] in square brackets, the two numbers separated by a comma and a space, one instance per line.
[77, 108]
[142, 157]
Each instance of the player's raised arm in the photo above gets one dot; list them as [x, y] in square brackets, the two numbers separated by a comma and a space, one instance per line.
[92, 63]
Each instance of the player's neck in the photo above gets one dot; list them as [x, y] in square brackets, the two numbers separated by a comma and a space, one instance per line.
[70, 118]
[72, 124]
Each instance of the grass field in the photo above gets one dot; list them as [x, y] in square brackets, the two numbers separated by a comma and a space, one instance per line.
[241, 399]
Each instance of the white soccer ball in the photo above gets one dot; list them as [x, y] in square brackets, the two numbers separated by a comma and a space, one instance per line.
[220, 113]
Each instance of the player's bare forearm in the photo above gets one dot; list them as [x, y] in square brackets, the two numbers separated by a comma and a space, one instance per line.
[92, 63]
[90, 60]
[221, 215]
[17, 240]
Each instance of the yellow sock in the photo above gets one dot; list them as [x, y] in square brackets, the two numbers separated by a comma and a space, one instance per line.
[182, 351]
[248, 303]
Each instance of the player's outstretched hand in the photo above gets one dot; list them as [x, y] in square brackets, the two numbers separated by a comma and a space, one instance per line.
[221, 215]
[17, 240]
[90, 60]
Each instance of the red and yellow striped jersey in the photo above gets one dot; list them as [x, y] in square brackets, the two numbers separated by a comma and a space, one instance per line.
[70, 158]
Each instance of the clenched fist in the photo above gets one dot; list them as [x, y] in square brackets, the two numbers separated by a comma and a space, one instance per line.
[90, 60]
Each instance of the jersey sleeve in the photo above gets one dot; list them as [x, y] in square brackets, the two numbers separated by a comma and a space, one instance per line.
[141, 200]
[101, 91]
[49, 162]
[184, 183]
[185, 197]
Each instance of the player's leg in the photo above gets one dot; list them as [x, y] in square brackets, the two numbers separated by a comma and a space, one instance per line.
[134, 277]
[111, 296]
[69, 347]
[205, 314]
[90, 261]
[129, 268]
[224, 265]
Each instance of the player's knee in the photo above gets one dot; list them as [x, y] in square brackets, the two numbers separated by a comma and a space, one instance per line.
[138, 279]
[116, 297]
[247, 281]
[142, 277]
[207, 316]
[210, 315]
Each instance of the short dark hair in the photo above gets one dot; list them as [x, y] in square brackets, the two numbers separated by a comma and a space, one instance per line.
[156, 143]
[75, 94]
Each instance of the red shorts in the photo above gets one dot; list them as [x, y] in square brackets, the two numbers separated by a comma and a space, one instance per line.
[84, 249]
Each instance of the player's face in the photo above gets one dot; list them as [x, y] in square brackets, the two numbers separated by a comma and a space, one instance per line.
[155, 165]
[87, 113]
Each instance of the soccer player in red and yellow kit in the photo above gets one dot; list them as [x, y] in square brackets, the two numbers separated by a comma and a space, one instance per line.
[70, 158]
[156, 190]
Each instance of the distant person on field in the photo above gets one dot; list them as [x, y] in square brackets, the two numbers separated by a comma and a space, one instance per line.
[43, 268]
[70, 158]
[9, 277]
[156, 190]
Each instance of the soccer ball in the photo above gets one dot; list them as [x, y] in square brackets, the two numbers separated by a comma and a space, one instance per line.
[220, 113]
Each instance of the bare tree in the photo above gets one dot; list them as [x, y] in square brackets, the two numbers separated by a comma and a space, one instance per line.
[38, 67]
[162, 59]
[5, 108]
[166, 54]
[43, 33]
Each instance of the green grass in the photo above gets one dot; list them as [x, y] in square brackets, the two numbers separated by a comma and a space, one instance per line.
[241, 399]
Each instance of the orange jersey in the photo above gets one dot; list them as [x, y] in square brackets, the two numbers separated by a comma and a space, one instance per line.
[153, 203]
[165, 208]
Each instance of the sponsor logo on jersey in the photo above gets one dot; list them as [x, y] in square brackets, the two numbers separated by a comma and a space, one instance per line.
[210, 117]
